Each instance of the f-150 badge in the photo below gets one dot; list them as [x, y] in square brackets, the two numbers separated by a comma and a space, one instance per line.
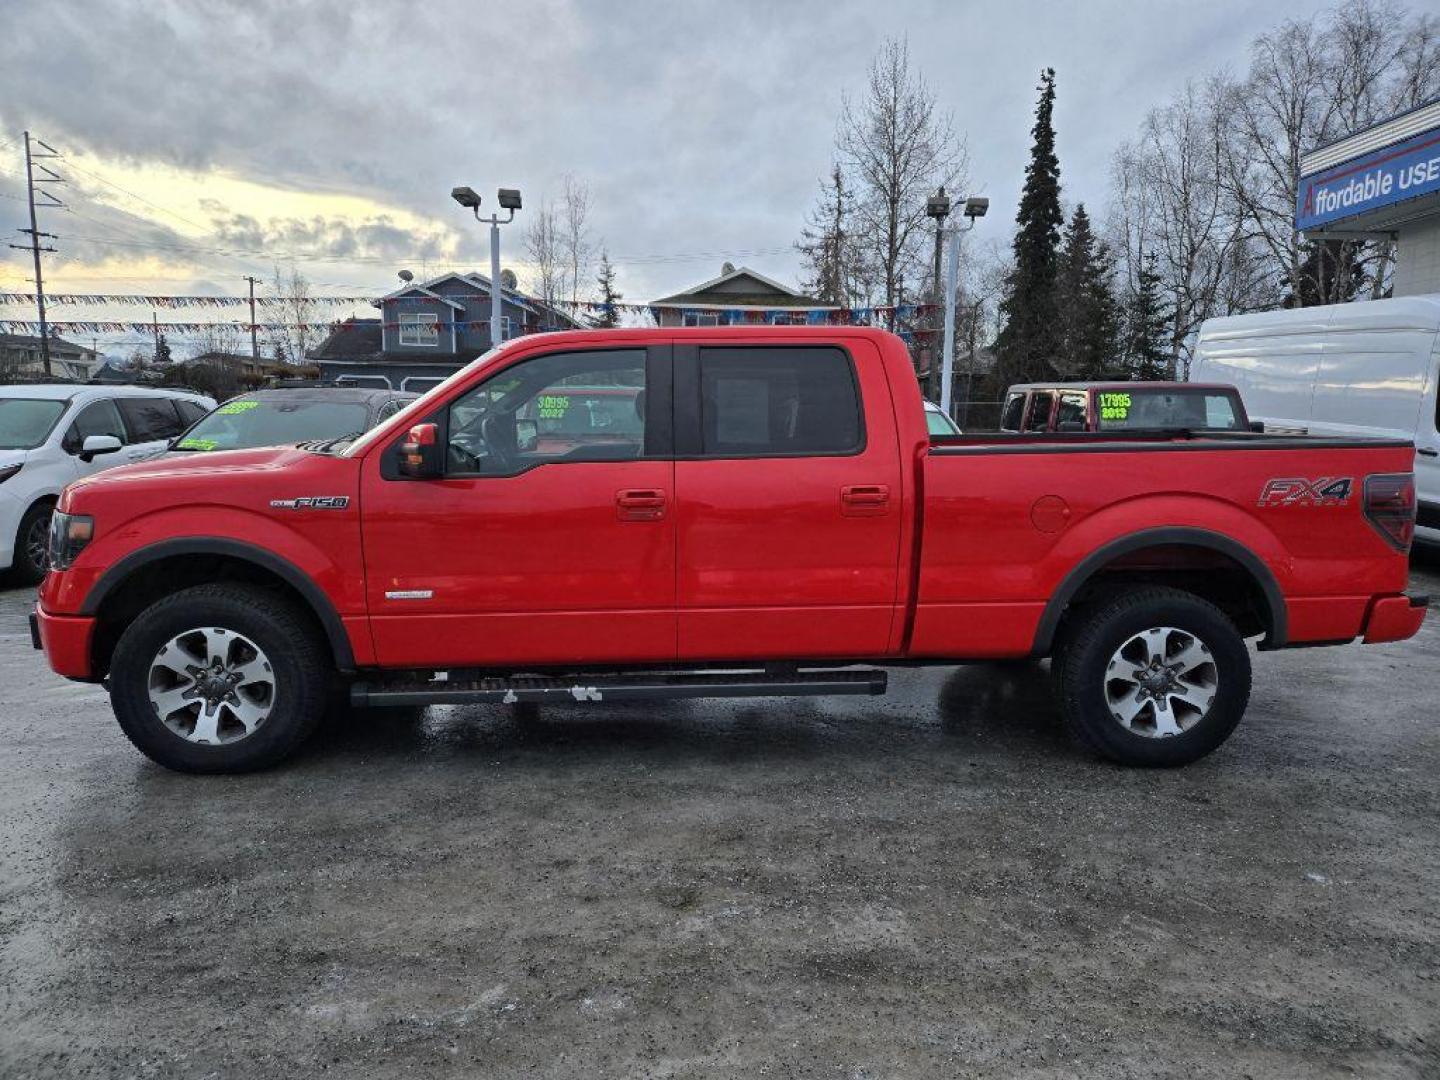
[312, 502]
[1299, 491]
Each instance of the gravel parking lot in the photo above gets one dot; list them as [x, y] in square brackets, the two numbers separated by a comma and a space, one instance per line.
[934, 883]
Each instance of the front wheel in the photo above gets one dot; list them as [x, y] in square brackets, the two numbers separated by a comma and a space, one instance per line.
[1155, 677]
[219, 678]
[32, 544]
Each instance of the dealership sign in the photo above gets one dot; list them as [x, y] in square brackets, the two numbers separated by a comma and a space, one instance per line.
[1382, 178]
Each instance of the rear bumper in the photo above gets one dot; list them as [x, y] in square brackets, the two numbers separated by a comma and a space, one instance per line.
[66, 641]
[1394, 618]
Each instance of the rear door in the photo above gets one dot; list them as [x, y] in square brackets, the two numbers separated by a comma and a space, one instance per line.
[788, 496]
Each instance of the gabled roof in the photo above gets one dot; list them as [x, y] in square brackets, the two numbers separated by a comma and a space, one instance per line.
[679, 298]
[413, 289]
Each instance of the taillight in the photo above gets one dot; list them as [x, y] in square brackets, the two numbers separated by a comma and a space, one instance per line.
[1390, 507]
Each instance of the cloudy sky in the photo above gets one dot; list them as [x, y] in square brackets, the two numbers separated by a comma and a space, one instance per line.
[207, 141]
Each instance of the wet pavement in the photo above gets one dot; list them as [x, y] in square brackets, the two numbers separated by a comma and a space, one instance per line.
[934, 883]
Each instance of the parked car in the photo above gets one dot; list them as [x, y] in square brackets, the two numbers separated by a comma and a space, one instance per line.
[289, 415]
[53, 434]
[938, 422]
[1345, 369]
[1123, 406]
[779, 516]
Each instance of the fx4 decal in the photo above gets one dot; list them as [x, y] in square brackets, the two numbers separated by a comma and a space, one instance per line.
[1299, 491]
[312, 502]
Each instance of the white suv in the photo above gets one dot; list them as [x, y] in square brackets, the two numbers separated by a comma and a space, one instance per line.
[51, 435]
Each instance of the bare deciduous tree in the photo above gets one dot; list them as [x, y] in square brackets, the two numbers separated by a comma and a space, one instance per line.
[296, 330]
[896, 147]
[542, 244]
[576, 248]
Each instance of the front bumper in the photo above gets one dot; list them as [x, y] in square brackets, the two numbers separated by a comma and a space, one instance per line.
[1395, 618]
[66, 641]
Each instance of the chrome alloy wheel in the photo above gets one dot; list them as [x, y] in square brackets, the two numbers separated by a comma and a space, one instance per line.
[37, 542]
[1161, 682]
[211, 686]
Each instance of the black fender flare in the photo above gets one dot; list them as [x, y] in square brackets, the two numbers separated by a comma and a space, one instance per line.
[288, 572]
[1167, 536]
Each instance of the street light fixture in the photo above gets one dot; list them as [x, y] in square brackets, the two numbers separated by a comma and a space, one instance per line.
[509, 199]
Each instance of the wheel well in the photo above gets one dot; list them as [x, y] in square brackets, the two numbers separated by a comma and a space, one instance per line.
[163, 577]
[1204, 571]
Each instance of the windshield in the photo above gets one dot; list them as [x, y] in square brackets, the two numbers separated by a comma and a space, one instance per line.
[251, 422]
[1194, 410]
[25, 422]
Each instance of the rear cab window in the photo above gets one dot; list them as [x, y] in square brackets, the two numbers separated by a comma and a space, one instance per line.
[1170, 408]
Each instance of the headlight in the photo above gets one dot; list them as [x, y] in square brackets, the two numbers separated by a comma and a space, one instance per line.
[69, 533]
[7, 471]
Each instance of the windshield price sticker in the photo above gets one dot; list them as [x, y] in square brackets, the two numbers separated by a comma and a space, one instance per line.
[1114, 406]
[197, 444]
[230, 408]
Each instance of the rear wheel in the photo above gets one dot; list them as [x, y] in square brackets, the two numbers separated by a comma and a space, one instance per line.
[32, 545]
[1155, 677]
[219, 678]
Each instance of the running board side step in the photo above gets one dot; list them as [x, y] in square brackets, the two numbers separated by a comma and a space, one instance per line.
[641, 687]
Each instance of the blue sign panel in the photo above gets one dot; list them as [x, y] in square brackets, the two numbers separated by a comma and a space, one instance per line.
[1381, 178]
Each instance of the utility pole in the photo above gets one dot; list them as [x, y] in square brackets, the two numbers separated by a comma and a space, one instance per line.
[51, 177]
[254, 341]
[155, 329]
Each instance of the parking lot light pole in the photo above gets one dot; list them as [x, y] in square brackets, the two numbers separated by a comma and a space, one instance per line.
[509, 199]
[975, 207]
[937, 207]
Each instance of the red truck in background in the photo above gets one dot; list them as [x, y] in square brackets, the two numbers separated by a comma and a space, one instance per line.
[775, 517]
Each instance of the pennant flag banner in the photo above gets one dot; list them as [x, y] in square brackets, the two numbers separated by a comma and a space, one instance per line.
[139, 300]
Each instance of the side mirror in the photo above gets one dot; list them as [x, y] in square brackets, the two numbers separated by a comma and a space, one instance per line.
[1257, 426]
[421, 455]
[527, 435]
[95, 445]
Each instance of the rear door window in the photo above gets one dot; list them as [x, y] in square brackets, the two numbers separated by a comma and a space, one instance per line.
[1169, 409]
[150, 419]
[762, 402]
[1040, 405]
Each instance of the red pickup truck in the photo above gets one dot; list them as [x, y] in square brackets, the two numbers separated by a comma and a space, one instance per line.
[775, 518]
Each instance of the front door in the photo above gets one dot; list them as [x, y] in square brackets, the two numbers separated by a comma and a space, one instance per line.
[550, 540]
[790, 502]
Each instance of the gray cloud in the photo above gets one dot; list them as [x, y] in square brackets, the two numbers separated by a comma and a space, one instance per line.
[700, 128]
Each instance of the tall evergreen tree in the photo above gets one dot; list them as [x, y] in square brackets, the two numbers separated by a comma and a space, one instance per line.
[609, 314]
[1147, 326]
[827, 248]
[1029, 341]
[1088, 314]
[162, 350]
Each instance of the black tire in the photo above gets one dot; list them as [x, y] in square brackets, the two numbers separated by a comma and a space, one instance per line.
[28, 567]
[302, 669]
[1083, 669]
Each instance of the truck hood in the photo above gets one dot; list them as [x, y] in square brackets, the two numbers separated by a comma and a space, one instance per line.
[197, 465]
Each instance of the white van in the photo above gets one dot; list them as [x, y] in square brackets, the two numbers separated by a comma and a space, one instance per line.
[1366, 368]
[51, 435]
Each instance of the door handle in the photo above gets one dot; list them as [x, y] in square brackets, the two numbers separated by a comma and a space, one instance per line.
[1427, 452]
[864, 500]
[642, 504]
